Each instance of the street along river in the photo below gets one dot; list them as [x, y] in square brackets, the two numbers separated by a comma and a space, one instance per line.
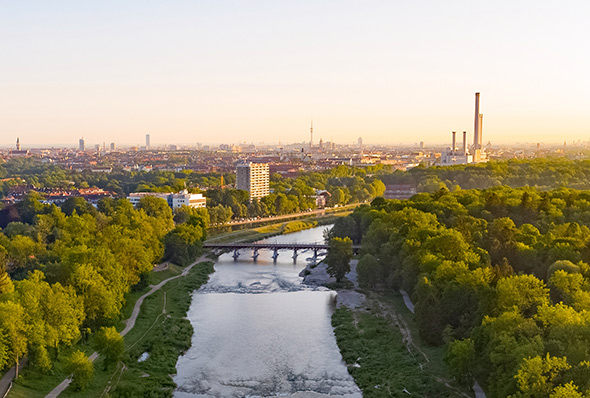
[259, 331]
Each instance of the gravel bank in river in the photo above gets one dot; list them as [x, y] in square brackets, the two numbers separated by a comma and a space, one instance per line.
[319, 276]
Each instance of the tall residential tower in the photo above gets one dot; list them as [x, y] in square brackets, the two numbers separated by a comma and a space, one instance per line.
[254, 178]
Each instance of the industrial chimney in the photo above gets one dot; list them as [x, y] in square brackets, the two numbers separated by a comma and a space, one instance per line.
[476, 132]
[464, 143]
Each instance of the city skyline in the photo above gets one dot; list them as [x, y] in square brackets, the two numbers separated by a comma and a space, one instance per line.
[228, 72]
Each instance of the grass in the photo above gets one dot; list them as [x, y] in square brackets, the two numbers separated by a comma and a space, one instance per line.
[436, 354]
[378, 360]
[166, 336]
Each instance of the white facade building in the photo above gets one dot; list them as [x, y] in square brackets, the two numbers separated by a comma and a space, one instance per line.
[174, 200]
[254, 178]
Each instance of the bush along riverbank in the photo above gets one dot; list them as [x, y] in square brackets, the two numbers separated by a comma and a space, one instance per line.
[378, 359]
[160, 336]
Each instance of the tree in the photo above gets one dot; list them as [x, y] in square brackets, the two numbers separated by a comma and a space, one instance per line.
[536, 376]
[12, 322]
[4, 349]
[525, 292]
[156, 207]
[461, 358]
[6, 285]
[110, 344]
[41, 359]
[77, 204]
[569, 390]
[369, 271]
[81, 368]
[183, 243]
[339, 256]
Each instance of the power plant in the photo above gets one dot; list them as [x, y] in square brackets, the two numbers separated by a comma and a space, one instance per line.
[476, 153]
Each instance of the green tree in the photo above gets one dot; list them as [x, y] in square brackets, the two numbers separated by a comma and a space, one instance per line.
[6, 285]
[4, 349]
[524, 292]
[81, 368]
[78, 205]
[369, 271]
[110, 344]
[12, 323]
[536, 376]
[461, 358]
[339, 256]
[156, 207]
[41, 359]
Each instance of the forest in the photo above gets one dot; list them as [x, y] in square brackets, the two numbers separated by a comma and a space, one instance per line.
[542, 173]
[65, 272]
[500, 276]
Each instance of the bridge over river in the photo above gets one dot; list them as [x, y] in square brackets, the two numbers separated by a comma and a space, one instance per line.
[275, 247]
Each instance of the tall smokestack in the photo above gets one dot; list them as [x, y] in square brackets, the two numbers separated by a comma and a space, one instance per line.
[479, 133]
[465, 143]
[454, 143]
[476, 139]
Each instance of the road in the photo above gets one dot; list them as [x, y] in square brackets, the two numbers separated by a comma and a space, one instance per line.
[130, 322]
[320, 212]
[8, 377]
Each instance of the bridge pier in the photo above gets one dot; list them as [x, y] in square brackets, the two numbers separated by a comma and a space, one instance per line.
[315, 255]
[295, 254]
[236, 254]
[255, 254]
[275, 255]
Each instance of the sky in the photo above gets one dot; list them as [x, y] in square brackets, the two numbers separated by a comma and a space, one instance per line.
[258, 71]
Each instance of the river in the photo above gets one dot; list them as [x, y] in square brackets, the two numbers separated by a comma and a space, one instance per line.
[259, 331]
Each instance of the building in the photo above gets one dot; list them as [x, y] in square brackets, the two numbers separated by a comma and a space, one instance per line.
[81, 146]
[254, 178]
[18, 151]
[174, 200]
[476, 154]
[454, 155]
[147, 142]
[399, 191]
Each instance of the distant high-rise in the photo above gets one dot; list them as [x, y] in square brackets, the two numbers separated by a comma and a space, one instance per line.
[81, 146]
[360, 142]
[254, 178]
[17, 143]
[147, 141]
[311, 134]
[113, 146]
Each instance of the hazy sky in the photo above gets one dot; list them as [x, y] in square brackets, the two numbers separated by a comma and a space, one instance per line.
[257, 71]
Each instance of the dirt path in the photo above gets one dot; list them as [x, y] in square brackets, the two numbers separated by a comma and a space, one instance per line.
[389, 311]
[130, 322]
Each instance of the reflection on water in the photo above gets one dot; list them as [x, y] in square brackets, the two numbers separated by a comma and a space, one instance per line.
[260, 332]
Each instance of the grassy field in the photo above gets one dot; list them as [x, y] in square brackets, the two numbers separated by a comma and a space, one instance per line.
[165, 335]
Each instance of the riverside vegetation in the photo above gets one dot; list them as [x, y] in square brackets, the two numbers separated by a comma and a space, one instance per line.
[65, 273]
[498, 276]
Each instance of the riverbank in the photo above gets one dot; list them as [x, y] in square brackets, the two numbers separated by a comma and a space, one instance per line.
[374, 333]
[270, 230]
[161, 317]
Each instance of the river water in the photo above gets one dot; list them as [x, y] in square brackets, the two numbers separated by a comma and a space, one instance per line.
[259, 332]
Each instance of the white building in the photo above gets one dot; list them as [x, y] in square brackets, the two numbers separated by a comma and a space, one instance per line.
[174, 200]
[254, 178]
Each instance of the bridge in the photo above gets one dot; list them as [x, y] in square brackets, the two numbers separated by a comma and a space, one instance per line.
[275, 247]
